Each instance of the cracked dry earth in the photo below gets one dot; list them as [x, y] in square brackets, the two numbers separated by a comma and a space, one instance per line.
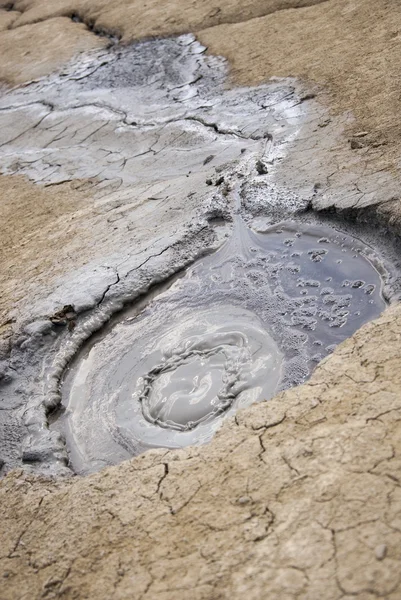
[294, 498]
[298, 497]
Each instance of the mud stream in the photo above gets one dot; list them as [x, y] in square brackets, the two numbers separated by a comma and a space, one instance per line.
[251, 319]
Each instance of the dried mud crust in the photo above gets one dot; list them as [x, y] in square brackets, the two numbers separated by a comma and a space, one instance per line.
[352, 48]
[39, 37]
[133, 20]
[33, 51]
[38, 232]
[295, 498]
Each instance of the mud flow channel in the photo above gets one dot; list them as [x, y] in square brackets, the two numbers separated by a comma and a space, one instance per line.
[244, 322]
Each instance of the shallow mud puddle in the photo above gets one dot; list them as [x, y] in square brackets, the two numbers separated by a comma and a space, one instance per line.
[253, 318]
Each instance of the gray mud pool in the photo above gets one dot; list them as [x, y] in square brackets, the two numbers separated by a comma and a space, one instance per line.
[250, 319]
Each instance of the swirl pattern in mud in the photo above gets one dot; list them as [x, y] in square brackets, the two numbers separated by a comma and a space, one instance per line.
[158, 380]
[205, 365]
[242, 323]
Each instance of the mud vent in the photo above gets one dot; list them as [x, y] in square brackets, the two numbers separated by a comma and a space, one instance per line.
[245, 322]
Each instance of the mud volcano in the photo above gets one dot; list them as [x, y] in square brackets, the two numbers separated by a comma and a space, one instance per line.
[252, 318]
[179, 167]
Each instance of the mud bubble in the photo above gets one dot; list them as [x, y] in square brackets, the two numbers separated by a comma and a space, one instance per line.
[251, 319]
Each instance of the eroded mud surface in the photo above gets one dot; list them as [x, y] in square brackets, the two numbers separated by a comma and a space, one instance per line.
[179, 166]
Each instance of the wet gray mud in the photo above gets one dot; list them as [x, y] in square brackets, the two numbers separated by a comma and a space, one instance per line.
[252, 318]
[219, 185]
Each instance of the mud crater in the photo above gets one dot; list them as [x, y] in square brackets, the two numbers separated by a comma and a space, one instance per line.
[243, 323]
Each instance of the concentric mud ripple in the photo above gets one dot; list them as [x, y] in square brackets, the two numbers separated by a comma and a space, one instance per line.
[252, 318]
[162, 379]
[206, 363]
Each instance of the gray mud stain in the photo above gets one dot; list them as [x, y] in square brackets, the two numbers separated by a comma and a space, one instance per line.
[253, 318]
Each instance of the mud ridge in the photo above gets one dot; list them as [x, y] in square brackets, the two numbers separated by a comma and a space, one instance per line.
[292, 5]
[208, 21]
[90, 23]
[113, 36]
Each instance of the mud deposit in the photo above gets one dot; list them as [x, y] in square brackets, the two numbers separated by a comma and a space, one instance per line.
[252, 318]
[184, 174]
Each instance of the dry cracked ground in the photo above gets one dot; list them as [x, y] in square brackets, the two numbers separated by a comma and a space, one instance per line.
[295, 498]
